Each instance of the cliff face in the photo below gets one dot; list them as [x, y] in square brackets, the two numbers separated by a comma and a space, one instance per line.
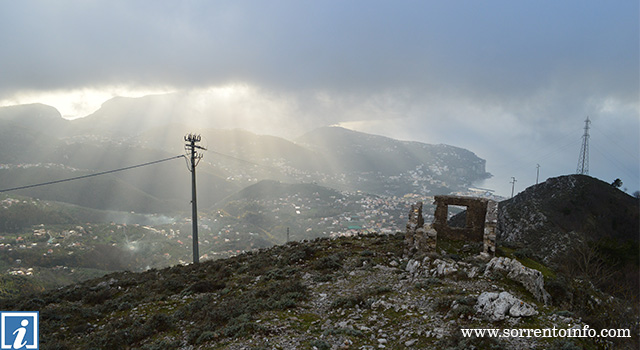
[552, 217]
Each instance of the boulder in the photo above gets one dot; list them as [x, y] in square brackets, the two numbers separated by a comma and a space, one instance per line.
[531, 279]
[497, 306]
[443, 268]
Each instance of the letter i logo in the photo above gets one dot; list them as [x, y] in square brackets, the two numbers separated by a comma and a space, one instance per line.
[19, 330]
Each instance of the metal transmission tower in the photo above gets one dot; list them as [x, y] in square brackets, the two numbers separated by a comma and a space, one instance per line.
[193, 157]
[583, 159]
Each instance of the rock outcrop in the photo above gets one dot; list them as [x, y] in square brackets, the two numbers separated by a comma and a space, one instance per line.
[531, 279]
[497, 306]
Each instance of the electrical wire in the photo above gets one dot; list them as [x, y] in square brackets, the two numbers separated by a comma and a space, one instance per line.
[272, 168]
[612, 140]
[90, 175]
[615, 161]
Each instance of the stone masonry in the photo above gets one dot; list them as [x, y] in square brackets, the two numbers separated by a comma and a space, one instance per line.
[481, 223]
[476, 212]
[490, 227]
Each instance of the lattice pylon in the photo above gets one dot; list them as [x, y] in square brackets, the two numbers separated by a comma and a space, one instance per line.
[583, 159]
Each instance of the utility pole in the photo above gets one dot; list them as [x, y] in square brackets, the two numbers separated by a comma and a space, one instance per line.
[287, 235]
[194, 157]
[583, 158]
[513, 184]
[537, 172]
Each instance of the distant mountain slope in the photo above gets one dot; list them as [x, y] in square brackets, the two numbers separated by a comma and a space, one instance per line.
[127, 117]
[274, 189]
[360, 152]
[23, 143]
[37, 145]
[104, 192]
[130, 131]
[270, 208]
[262, 149]
[158, 188]
[322, 153]
[36, 116]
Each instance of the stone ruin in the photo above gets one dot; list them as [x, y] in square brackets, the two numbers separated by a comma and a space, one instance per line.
[419, 237]
[480, 226]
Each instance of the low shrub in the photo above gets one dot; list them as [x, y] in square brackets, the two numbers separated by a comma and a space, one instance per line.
[348, 302]
[331, 262]
[320, 345]
[344, 331]
[427, 283]
[206, 286]
[462, 310]
[563, 344]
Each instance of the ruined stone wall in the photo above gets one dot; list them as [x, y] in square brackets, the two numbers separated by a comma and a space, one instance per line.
[490, 227]
[481, 223]
[476, 212]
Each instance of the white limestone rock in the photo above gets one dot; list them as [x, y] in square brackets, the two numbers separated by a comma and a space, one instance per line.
[443, 268]
[497, 306]
[531, 279]
[413, 266]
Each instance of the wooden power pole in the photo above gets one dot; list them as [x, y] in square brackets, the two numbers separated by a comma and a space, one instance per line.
[194, 158]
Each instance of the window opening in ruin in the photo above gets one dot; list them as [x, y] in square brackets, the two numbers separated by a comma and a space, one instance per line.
[460, 220]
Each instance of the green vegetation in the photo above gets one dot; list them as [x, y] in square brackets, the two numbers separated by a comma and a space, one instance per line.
[525, 257]
[274, 292]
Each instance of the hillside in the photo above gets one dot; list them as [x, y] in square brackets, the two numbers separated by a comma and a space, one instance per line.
[20, 214]
[550, 217]
[242, 144]
[580, 225]
[441, 168]
[45, 117]
[355, 292]
[39, 146]
[269, 209]
[374, 164]
[273, 189]
[43, 238]
[127, 117]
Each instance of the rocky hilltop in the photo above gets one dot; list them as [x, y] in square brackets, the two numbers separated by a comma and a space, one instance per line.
[577, 224]
[346, 293]
[551, 217]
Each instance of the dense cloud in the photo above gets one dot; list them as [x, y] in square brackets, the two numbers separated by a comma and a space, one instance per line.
[490, 49]
[509, 71]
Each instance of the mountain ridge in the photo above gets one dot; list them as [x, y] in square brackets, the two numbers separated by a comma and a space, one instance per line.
[237, 158]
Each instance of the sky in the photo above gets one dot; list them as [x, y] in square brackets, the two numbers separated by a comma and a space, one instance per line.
[512, 81]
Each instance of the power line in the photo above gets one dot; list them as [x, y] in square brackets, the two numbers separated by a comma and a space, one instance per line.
[615, 161]
[338, 185]
[612, 141]
[269, 167]
[90, 175]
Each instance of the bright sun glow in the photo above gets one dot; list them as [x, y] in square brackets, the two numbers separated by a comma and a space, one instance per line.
[78, 103]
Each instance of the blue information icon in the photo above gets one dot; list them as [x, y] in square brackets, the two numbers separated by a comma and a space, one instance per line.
[19, 330]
